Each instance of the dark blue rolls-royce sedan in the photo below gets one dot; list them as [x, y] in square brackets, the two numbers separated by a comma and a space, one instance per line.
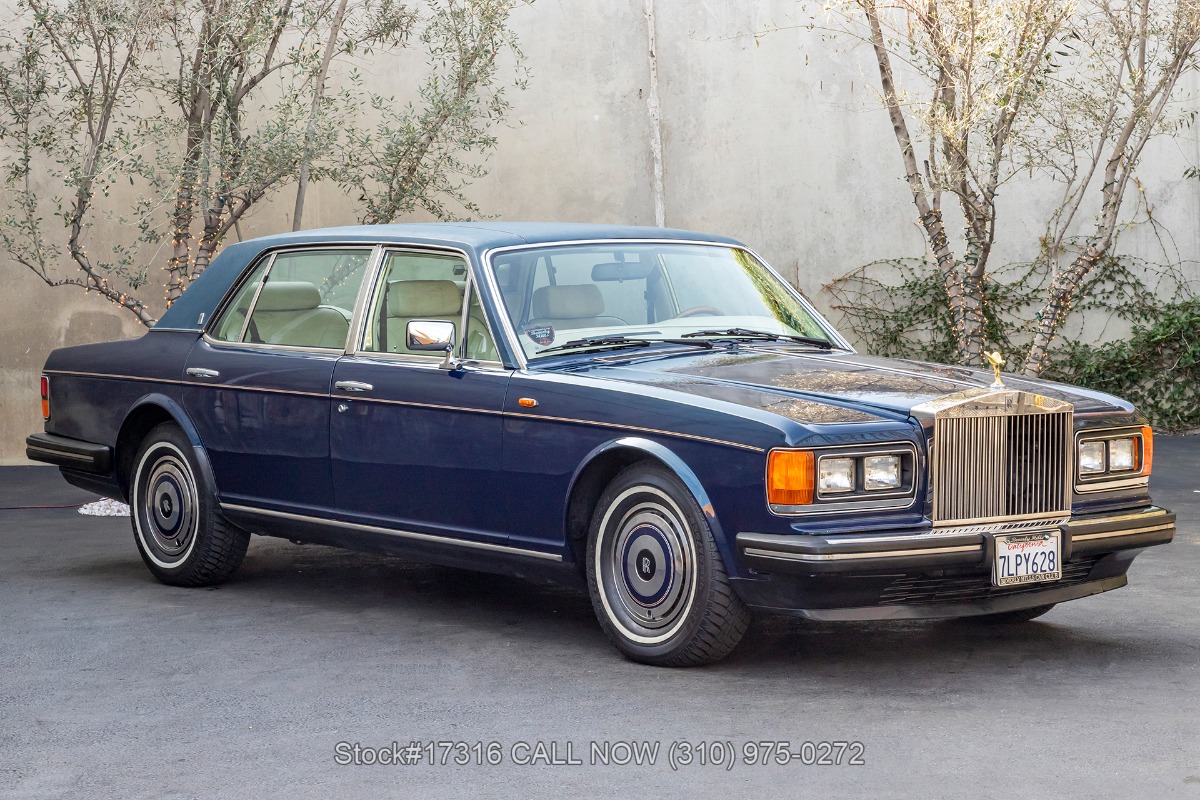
[654, 412]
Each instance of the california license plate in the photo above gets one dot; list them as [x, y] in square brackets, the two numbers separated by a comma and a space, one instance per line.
[1027, 558]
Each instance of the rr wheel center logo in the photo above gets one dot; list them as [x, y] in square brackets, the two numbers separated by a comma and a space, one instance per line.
[645, 565]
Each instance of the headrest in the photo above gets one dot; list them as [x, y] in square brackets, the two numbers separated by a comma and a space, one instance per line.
[288, 296]
[568, 302]
[424, 299]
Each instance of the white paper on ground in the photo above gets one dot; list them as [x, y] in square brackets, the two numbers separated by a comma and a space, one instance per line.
[105, 508]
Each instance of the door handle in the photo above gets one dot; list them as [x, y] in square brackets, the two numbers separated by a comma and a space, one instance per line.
[201, 372]
[353, 386]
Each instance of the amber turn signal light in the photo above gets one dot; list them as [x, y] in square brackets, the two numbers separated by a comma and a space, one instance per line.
[45, 397]
[1147, 449]
[790, 477]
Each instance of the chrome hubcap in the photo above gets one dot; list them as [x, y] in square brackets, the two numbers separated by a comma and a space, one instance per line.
[167, 515]
[646, 566]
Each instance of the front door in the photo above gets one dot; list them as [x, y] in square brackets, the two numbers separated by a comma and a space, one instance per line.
[415, 446]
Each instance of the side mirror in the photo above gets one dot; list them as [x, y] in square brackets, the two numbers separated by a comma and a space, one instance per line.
[430, 335]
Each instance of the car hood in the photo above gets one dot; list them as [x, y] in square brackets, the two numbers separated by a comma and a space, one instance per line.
[836, 386]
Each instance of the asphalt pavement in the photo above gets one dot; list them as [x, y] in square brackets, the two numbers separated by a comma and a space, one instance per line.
[115, 686]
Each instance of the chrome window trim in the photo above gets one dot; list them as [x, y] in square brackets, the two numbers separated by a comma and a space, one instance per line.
[839, 504]
[283, 348]
[419, 359]
[254, 301]
[468, 293]
[424, 537]
[486, 259]
[1108, 481]
[360, 311]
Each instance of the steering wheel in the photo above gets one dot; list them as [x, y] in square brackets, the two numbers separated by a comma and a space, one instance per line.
[700, 311]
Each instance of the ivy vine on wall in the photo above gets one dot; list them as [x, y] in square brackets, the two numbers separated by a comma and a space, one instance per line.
[1136, 334]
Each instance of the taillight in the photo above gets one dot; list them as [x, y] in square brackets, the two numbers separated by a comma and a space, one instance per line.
[45, 397]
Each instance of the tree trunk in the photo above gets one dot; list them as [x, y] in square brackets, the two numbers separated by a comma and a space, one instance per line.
[335, 29]
[930, 218]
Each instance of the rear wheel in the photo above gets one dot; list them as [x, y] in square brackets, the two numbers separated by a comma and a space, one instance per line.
[1016, 617]
[181, 535]
[657, 582]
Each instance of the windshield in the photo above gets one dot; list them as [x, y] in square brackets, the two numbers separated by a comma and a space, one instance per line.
[559, 294]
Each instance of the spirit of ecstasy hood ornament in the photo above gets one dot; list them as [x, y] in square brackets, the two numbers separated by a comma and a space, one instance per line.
[997, 361]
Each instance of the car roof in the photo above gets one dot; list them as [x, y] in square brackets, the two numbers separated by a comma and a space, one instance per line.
[487, 235]
[200, 300]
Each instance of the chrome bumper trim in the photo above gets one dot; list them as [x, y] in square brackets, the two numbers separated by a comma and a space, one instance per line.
[1088, 537]
[822, 557]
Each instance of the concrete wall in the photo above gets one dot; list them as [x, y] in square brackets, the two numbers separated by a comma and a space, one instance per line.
[779, 140]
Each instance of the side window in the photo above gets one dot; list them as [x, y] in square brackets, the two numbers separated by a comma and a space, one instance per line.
[229, 327]
[306, 300]
[426, 286]
[480, 345]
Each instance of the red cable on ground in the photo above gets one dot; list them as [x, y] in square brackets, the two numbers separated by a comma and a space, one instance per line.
[38, 508]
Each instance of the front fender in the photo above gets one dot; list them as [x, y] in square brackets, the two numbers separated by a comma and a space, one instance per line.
[679, 467]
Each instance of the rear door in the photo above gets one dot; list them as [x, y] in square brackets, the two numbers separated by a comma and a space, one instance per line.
[257, 384]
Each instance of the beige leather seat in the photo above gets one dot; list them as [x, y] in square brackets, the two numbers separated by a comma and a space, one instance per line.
[409, 300]
[290, 313]
[565, 307]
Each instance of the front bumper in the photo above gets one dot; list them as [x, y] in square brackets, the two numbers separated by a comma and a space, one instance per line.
[936, 573]
[811, 554]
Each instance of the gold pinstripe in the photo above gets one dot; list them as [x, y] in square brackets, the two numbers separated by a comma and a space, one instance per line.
[109, 376]
[510, 415]
[618, 426]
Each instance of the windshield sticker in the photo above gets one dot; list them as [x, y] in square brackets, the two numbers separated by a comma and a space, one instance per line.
[541, 334]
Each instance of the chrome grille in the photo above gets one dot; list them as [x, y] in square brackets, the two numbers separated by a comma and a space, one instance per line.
[1000, 456]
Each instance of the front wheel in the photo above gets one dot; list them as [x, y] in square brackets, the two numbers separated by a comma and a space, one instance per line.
[181, 535]
[657, 583]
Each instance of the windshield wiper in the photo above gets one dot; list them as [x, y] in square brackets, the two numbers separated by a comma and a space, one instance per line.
[748, 333]
[614, 341]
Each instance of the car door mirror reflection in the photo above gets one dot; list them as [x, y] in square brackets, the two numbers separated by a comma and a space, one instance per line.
[430, 335]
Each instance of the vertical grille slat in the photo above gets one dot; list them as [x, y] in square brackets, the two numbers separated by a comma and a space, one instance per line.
[992, 460]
